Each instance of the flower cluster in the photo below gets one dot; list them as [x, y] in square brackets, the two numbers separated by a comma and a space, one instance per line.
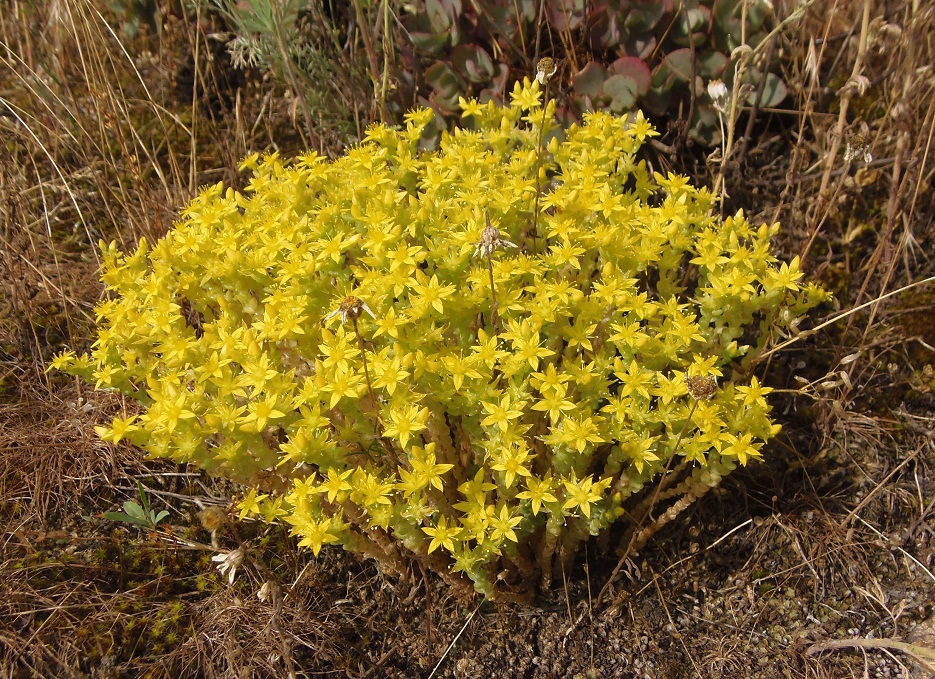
[325, 336]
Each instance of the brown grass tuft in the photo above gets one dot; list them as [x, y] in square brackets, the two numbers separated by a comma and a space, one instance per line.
[828, 544]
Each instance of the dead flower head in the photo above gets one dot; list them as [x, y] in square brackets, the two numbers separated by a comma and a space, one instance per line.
[229, 562]
[855, 87]
[545, 69]
[490, 240]
[858, 147]
[352, 307]
[212, 518]
[857, 150]
[265, 591]
[701, 387]
[717, 90]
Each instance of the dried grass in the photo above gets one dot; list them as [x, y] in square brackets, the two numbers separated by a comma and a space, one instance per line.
[832, 539]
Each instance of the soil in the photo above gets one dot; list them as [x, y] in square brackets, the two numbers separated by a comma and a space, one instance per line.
[817, 563]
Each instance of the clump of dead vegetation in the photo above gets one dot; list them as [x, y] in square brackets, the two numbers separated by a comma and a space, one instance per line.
[818, 563]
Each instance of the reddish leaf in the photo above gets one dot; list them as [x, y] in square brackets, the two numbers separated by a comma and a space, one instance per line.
[473, 62]
[565, 15]
[443, 79]
[710, 65]
[429, 42]
[590, 80]
[622, 92]
[634, 69]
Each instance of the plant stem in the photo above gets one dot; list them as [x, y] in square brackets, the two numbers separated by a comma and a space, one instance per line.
[378, 421]
[387, 50]
[363, 358]
[368, 46]
[636, 530]
[535, 209]
[734, 108]
[493, 295]
[293, 80]
[847, 93]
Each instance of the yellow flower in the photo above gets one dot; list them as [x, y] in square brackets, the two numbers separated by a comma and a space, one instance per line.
[742, 448]
[250, 504]
[460, 367]
[369, 491]
[425, 470]
[753, 394]
[476, 489]
[389, 372]
[338, 349]
[429, 293]
[502, 525]
[260, 412]
[582, 430]
[406, 421]
[635, 379]
[118, 429]
[344, 384]
[582, 494]
[336, 487]
[550, 380]
[470, 107]
[503, 413]
[554, 403]
[442, 535]
[512, 462]
[486, 349]
[641, 128]
[538, 491]
[525, 340]
[315, 534]
[525, 97]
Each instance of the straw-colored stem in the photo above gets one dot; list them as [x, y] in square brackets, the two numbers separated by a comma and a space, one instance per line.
[368, 47]
[847, 94]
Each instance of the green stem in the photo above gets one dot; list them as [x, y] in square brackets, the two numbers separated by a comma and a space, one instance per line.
[363, 358]
[493, 296]
[378, 422]
[535, 209]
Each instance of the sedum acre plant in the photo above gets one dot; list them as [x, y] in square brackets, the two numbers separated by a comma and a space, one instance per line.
[476, 357]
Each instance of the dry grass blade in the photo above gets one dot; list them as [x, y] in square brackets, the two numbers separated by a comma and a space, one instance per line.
[924, 656]
[107, 133]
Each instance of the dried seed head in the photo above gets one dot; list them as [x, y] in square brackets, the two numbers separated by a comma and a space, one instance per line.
[858, 147]
[545, 69]
[701, 387]
[901, 114]
[228, 563]
[352, 307]
[490, 240]
[741, 53]
[212, 518]
[717, 90]
[855, 87]
[267, 591]
[263, 593]
[811, 64]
